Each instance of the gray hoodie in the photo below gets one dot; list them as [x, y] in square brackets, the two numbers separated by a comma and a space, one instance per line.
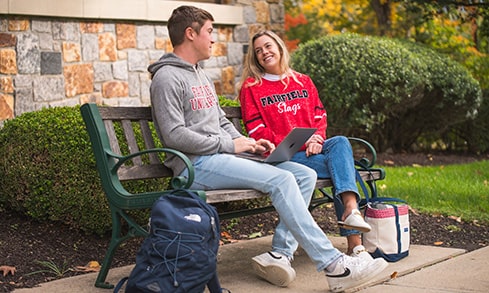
[186, 111]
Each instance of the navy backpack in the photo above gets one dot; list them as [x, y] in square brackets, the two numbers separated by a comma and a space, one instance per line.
[180, 253]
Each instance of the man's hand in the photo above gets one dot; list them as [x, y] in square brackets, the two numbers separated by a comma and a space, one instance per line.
[245, 144]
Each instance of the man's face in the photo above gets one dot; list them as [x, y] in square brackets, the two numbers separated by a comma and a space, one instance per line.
[203, 41]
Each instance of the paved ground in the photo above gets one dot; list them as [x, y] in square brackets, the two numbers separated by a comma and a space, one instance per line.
[427, 269]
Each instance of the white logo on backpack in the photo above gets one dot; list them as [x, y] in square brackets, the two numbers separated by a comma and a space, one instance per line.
[193, 217]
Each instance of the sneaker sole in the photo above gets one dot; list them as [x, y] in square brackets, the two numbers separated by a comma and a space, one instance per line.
[350, 227]
[378, 269]
[273, 274]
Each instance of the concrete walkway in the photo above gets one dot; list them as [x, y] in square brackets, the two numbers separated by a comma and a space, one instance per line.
[427, 269]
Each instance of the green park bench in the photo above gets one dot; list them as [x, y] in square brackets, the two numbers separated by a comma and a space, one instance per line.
[133, 156]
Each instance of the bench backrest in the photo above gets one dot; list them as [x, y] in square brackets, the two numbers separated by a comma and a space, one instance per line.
[109, 126]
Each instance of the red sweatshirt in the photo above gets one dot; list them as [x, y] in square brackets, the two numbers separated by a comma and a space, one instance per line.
[271, 111]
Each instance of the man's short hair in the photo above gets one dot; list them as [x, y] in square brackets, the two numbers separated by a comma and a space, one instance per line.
[184, 17]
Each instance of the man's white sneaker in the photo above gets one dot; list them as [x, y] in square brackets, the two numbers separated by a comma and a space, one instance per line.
[351, 272]
[355, 221]
[360, 251]
[274, 267]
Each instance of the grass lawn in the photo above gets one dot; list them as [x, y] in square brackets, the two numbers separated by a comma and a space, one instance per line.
[452, 190]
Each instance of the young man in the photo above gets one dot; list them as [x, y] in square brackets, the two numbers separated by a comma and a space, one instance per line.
[188, 118]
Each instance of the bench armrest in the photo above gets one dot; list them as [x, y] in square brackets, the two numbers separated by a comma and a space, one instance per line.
[364, 161]
[176, 182]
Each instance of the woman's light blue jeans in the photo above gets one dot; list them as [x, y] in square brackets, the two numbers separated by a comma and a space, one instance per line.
[290, 186]
[335, 162]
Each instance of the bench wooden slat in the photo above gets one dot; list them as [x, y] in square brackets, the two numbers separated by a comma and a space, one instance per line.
[131, 141]
[148, 141]
[125, 113]
[114, 142]
[148, 171]
[227, 195]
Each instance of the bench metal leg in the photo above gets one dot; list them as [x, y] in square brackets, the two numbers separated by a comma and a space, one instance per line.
[135, 230]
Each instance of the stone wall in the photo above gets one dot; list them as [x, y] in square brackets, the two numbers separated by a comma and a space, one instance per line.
[49, 62]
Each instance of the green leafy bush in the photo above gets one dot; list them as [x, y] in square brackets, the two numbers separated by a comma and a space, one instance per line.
[48, 172]
[47, 169]
[388, 91]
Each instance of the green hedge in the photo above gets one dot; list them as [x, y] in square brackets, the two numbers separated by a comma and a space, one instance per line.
[47, 171]
[388, 91]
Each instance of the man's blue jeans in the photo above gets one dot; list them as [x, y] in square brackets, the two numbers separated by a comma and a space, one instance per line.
[335, 162]
[290, 186]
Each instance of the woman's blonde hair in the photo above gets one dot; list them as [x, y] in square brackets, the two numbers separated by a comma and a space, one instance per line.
[252, 67]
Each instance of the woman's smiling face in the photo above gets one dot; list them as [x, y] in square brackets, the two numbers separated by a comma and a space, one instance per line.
[268, 54]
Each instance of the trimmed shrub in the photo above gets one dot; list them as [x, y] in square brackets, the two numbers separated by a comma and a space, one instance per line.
[388, 91]
[48, 172]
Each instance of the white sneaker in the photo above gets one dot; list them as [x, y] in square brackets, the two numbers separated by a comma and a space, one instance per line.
[353, 271]
[355, 221]
[274, 267]
[360, 251]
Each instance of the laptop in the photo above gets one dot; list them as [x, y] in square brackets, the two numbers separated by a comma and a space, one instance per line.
[296, 138]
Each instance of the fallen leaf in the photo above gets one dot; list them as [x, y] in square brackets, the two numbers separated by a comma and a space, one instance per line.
[438, 243]
[389, 162]
[415, 212]
[226, 235]
[458, 219]
[8, 269]
[254, 235]
[91, 266]
[394, 275]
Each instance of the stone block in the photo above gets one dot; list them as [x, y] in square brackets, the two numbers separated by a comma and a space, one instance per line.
[89, 46]
[6, 84]
[219, 49]
[66, 31]
[126, 35]
[145, 37]
[227, 78]
[78, 79]
[48, 88]
[91, 27]
[41, 26]
[18, 25]
[113, 89]
[51, 63]
[7, 40]
[6, 107]
[8, 61]
[91, 98]
[107, 48]
[137, 60]
[46, 41]
[119, 70]
[28, 53]
[225, 34]
[262, 11]
[71, 52]
[102, 71]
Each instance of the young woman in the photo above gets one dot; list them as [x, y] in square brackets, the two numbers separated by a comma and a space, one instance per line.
[275, 99]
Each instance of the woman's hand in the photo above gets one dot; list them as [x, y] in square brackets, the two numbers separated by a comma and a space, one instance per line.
[314, 145]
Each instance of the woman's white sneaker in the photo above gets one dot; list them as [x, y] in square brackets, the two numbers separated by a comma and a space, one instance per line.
[361, 251]
[274, 267]
[355, 221]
